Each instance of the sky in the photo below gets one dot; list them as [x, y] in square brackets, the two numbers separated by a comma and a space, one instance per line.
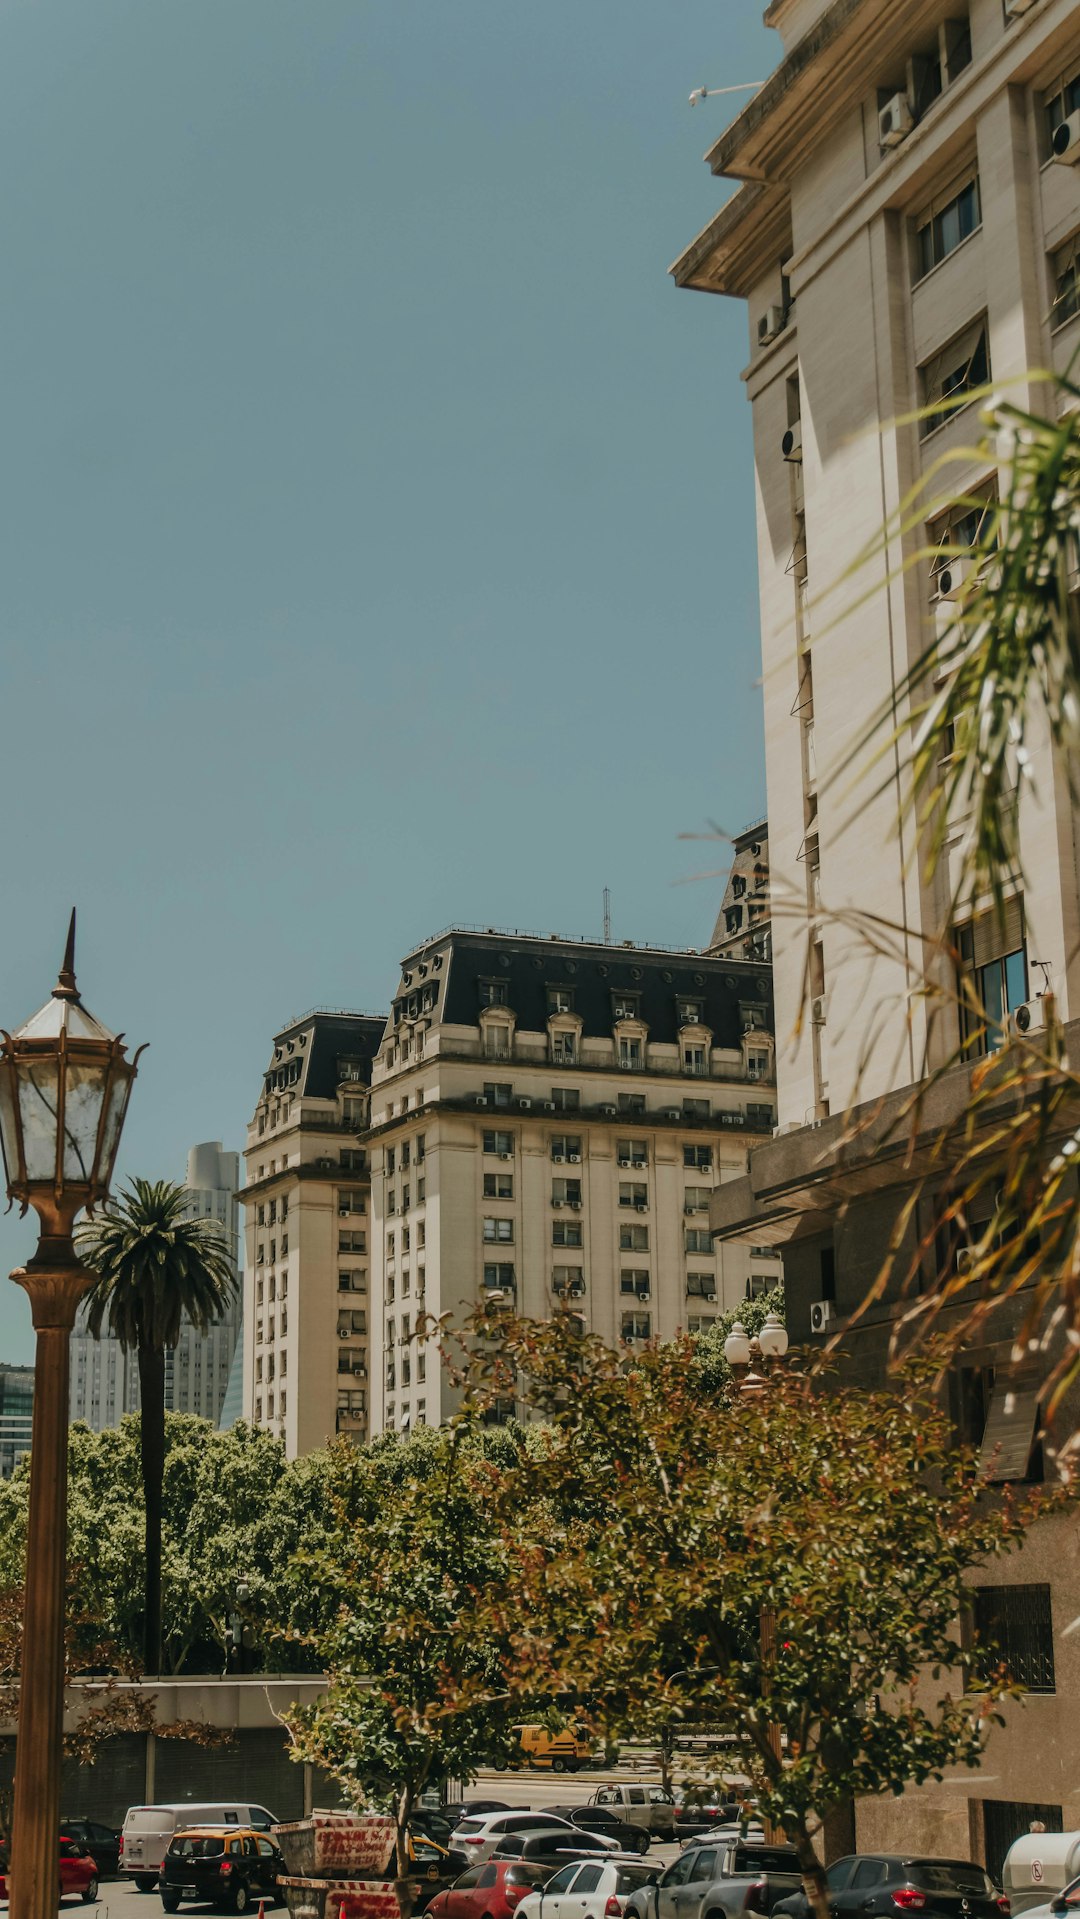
[376, 517]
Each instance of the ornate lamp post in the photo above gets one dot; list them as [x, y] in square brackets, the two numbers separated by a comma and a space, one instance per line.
[64, 1089]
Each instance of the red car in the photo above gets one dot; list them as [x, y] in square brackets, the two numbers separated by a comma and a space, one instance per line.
[489, 1892]
[78, 1872]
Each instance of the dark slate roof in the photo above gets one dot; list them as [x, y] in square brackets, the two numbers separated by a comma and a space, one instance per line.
[319, 1040]
[594, 973]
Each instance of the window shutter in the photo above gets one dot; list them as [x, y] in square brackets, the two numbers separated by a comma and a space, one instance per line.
[1010, 1427]
[993, 935]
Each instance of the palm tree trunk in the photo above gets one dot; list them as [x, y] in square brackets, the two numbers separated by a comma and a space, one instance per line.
[152, 1448]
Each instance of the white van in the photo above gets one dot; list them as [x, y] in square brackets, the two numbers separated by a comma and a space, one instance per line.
[1038, 1866]
[148, 1831]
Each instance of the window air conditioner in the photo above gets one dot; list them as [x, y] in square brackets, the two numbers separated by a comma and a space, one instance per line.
[558, 1202]
[559, 1159]
[1029, 1018]
[524, 1104]
[821, 1313]
[817, 1011]
[506, 1155]
[575, 1159]
[343, 1332]
[641, 1205]
[953, 578]
[624, 1162]
[791, 444]
[643, 1291]
[672, 1112]
[480, 1099]
[1066, 141]
[577, 1289]
[770, 325]
[895, 121]
[574, 1205]
[609, 1110]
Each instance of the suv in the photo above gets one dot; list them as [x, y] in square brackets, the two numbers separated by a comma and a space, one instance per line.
[230, 1868]
[891, 1883]
[711, 1879]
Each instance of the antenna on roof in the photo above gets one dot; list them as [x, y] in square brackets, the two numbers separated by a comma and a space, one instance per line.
[607, 916]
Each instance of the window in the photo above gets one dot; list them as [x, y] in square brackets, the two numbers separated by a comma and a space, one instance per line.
[496, 1142]
[349, 1202]
[1058, 106]
[757, 1065]
[497, 1042]
[697, 1239]
[868, 1872]
[493, 992]
[420, 1142]
[701, 1285]
[691, 1011]
[391, 1162]
[758, 1284]
[631, 1152]
[406, 1369]
[406, 1153]
[560, 999]
[566, 1192]
[352, 1242]
[700, 1322]
[391, 1245]
[695, 1109]
[634, 1281]
[566, 1232]
[696, 1199]
[992, 957]
[498, 1092]
[633, 1239]
[694, 1060]
[406, 1238]
[499, 1278]
[698, 1156]
[953, 372]
[631, 1102]
[625, 1005]
[564, 1048]
[636, 1326]
[353, 1282]
[406, 1198]
[566, 1146]
[500, 1230]
[421, 1368]
[1015, 1623]
[1063, 272]
[945, 224]
[565, 1099]
[391, 1200]
[633, 1192]
[630, 1054]
[498, 1185]
[569, 1279]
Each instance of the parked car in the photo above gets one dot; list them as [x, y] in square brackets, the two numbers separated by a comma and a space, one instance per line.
[727, 1836]
[603, 1820]
[434, 1824]
[78, 1871]
[1038, 1866]
[1066, 1901]
[102, 1842]
[696, 1815]
[588, 1889]
[229, 1868]
[148, 1830]
[890, 1883]
[711, 1879]
[478, 1834]
[553, 1845]
[491, 1891]
[459, 1809]
[640, 1804]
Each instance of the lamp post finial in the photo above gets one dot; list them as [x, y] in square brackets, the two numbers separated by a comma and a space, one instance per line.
[65, 987]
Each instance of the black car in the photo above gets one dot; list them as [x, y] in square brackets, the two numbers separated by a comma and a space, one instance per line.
[101, 1842]
[601, 1819]
[227, 1868]
[459, 1809]
[552, 1845]
[893, 1883]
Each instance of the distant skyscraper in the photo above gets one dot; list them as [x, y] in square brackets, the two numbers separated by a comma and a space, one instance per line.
[105, 1380]
[16, 1415]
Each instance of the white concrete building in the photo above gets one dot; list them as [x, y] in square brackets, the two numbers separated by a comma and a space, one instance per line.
[906, 226]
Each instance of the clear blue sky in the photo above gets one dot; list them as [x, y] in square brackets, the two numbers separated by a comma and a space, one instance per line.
[377, 519]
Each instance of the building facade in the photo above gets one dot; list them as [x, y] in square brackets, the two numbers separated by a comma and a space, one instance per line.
[549, 1120]
[16, 1415]
[105, 1380]
[905, 227]
[743, 927]
[306, 1200]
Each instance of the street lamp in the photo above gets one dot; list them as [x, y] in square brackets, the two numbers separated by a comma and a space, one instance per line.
[64, 1088]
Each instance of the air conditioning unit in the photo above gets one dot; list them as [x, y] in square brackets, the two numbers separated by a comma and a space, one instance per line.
[574, 1205]
[577, 1289]
[506, 1155]
[549, 1106]
[643, 1292]
[641, 1205]
[558, 1202]
[575, 1159]
[770, 325]
[953, 578]
[1065, 144]
[609, 1110]
[480, 1099]
[624, 1162]
[821, 1313]
[791, 444]
[1029, 1018]
[672, 1112]
[559, 1159]
[343, 1332]
[524, 1104]
[895, 121]
[817, 1011]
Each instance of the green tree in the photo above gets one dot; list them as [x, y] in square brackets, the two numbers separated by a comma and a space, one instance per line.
[155, 1266]
[415, 1691]
[708, 1347]
[793, 1564]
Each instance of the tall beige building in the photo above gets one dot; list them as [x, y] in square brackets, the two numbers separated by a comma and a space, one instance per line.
[306, 1278]
[549, 1120]
[905, 226]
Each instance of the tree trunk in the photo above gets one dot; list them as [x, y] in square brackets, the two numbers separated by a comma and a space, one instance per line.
[665, 1754]
[404, 1885]
[813, 1872]
[152, 1449]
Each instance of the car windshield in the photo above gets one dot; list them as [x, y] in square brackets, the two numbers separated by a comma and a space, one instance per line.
[526, 1875]
[188, 1847]
[949, 1875]
[629, 1878]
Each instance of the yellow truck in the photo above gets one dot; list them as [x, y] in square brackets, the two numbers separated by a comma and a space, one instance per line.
[563, 1751]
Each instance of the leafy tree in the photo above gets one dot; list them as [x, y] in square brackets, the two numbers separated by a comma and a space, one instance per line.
[155, 1266]
[794, 1564]
[415, 1688]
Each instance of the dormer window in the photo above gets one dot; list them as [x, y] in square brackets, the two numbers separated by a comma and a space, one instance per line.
[560, 999]
[626, 1005]
[631, 1053]
[493, 992]
[691, 1012]
[738, 885]
[564, 1048]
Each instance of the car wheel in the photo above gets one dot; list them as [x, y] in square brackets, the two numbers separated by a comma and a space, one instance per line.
[241, 1898]
[146, 1881]
[643, 1843]
[171, 1901]
[558, 1765]
[89, 1891]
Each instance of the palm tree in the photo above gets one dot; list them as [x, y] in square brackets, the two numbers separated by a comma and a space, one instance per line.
[155, 1265]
